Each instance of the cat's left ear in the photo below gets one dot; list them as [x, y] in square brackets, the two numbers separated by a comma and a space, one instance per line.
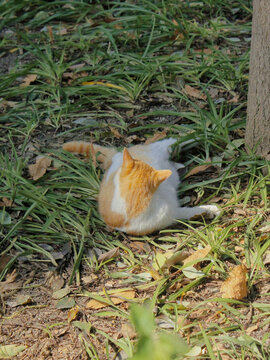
[162, 175]
[128, 161]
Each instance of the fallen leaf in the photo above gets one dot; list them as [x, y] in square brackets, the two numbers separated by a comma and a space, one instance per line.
[9, 351]
[192, 273]
[158, 136]
[234, 100]
[251, 328]
[176, 258]
[131, 138]
[159, 260]
[59, 294]
[28, 80]
[72, 313]
[127, 330]
[62, 31]
[82, 325]
[7, 202]
[23, 300]
[103, 84]
[198, 169]
[4, 259]
[191, 91]
[56, 282]
[265, 227]
[65, 303]
[8, 284]
[109, 255]
[89, 279]
[38, 169]
[116, 298]
[239, 211]
[5, 103]
[77, 66]
[235, 287]
[198, 255]
[115, 132]
[266, 257]
[137, 246]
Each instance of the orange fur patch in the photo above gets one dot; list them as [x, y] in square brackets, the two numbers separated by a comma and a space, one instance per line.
[138, 183]
[88, 149]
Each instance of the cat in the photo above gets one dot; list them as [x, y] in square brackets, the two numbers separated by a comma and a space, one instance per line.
[138, 193]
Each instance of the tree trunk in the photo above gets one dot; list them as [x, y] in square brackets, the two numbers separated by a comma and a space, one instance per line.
[258, 108]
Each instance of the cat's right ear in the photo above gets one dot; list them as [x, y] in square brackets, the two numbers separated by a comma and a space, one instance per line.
[128, 161]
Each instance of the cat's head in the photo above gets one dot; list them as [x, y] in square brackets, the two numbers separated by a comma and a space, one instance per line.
[139, 174]
[138, 183]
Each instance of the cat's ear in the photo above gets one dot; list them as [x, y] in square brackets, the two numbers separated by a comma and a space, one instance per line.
[128, 161]
[162, 175]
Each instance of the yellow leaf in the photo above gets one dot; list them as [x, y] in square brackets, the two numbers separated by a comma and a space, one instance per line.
[198, 255]
[38, 169]
[116, 298]
[103, 84]
[72, 314]
[235, 287]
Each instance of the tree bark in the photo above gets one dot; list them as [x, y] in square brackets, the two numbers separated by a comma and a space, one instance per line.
[258, 108]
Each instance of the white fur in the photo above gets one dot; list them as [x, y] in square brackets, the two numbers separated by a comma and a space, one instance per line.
[163, 209]
[118, 203]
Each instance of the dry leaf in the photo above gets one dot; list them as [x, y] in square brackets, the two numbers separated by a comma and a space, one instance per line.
[50, 32]
[251, 328]
[198, 255]
[191, 91]
[77, 66]
[131, 138]
[115, 132]
[9, 284]
[62, 31]
[72, 313]
[117, 298]
[28, 80]
[23, 300]
[4, 259]
[7, 202]
[158, 136]
[38, 169]
[176, 258]
[127, 330]
[103, 84]
[198, 169]
[54, 281]
[235, 287]
[109, 255]
[234, 100]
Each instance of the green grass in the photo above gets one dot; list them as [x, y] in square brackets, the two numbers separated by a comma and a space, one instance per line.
[138, 58]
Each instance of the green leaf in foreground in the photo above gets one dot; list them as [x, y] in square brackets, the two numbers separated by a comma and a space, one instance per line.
[153, 344]
[9, 351]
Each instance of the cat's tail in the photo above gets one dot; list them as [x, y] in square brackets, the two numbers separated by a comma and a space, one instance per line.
[104, 154]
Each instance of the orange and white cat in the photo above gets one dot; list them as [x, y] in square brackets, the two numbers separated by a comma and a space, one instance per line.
[138, 193]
